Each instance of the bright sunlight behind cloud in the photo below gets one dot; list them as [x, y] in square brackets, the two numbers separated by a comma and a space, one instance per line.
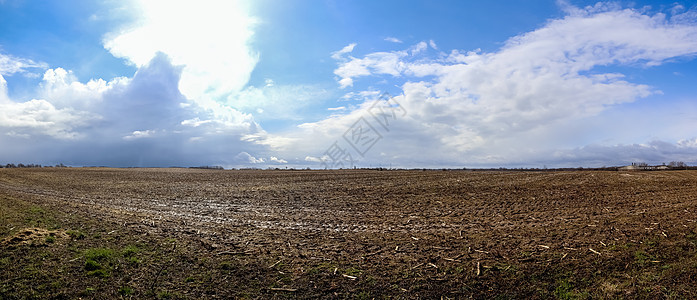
[209, 38]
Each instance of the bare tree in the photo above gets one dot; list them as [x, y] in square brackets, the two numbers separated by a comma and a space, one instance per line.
[676, 164]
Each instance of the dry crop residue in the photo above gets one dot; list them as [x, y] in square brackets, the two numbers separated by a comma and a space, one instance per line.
[32, 236]
[435, 223]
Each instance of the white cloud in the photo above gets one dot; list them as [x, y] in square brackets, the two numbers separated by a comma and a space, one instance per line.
[393, 40]
[195, 122]
[392, 63]
[209, 38]
[419, 48]
[537, 77]
[139, 121]
[3, 90]
[61, 88]
[598, 36]
[313, 159]
[517, 104]
[10, 65]
[360, 96]
[585, 39]
[687, 143]
[278, 160]
[433, 44]
[374, 63]
[346, 82]
[339, 55]
[41, 118]
[140, 134]
[245, 157]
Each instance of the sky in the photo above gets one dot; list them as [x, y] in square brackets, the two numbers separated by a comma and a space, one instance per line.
[341, 84]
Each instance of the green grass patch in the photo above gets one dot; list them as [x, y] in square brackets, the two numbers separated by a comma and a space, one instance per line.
[130, 251]
[50, 239]
[99, 273]
[126, 291]
[164, 295]
[353, 271]
[75, 235]
[99, 254]
[98, 262]
[91, 265]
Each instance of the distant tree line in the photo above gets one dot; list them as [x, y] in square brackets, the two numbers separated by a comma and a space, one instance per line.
[208, 167]
[671, 165]
[677, 164]
[10, 166]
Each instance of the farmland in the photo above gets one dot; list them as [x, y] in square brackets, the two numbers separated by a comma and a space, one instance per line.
[185, 233]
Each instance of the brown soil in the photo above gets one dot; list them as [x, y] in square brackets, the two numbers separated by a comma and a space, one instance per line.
[405, 234]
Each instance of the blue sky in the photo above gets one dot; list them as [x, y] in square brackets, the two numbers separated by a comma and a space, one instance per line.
[298, 83]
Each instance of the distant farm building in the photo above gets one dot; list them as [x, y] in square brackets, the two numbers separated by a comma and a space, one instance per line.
[643, 167]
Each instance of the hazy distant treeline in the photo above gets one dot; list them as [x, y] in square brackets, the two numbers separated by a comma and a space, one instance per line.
[208, 167]
[30, 166]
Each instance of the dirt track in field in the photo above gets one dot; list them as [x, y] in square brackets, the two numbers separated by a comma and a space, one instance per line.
[432, 221]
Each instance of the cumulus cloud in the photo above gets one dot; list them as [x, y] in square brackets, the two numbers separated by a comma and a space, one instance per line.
[195, 122]
[39, 117]
[392, 63]
[140, 121]
[393, 40]
[529, 102]
[210, 39]
[278, 160]
[61, 88]
[140, 134]
[245, 157]
[516, 103]
[185, 105]
[313, 159]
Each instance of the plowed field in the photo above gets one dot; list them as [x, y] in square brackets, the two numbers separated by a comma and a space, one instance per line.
[356, 233]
